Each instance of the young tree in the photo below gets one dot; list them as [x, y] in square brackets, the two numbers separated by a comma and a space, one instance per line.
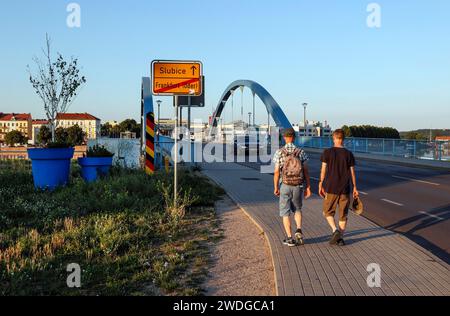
[44, 136]
[61, 136]
[106, 129]
[56, 83]
[75, 135]
[128, 125]
[15, 137]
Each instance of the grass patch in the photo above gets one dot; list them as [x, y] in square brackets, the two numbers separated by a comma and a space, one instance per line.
[123, 231]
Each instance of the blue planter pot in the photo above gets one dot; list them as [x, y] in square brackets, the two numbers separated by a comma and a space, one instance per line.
[51, 167]
[92, 167]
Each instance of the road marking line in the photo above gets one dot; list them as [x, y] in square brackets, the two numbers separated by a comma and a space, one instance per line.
[432, 216]
[416, 180]
[363, 193]
[314, 178]
[392, 202]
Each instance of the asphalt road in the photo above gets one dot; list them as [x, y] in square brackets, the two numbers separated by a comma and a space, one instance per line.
[411, 201]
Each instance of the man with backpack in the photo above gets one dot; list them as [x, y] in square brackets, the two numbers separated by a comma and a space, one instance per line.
[292, 170]
[338, 171]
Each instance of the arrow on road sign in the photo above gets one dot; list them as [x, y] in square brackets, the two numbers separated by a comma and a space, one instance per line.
[193, 70]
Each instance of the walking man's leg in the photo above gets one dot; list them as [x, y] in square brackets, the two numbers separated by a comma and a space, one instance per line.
[287, 226]
[329, 211]
[297, 205]
[332, 223]
[342, 226]
[285, 213]
[298, 219]
[344, 205]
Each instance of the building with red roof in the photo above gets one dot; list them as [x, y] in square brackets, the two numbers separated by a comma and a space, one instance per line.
[21, 122]
[90, 124]
[30, 128]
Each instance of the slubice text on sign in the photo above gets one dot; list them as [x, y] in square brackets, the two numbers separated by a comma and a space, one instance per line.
[177, 78]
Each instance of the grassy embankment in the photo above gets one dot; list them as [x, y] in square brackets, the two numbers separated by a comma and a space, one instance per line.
[123, 231]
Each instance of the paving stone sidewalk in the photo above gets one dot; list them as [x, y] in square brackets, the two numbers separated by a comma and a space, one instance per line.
[317, 268]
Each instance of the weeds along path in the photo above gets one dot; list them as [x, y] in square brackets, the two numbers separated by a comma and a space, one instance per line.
[121, 231]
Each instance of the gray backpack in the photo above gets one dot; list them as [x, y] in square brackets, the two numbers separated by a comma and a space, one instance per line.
[292, 172]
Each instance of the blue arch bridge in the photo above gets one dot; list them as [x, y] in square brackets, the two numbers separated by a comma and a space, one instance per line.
[165, 143]
[436, 150]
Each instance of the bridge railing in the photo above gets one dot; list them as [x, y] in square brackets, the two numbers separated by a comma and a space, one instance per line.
[434, 150]
[164, 148]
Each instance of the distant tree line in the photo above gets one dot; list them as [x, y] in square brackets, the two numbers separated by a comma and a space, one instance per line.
[128, 125]
[369, 131]
[424, 134]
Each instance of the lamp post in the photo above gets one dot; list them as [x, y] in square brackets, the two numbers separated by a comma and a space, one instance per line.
[254, 113]
[242, 103]
[305, 105]
[159, 109]
[249, 118]
[157, 127]
[232, 106]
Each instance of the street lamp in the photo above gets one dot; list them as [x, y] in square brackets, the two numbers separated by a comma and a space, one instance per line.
[305, 105]
[159, 109]
[254, 113]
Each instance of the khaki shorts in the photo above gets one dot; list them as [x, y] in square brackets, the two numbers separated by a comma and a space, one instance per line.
[333, 201]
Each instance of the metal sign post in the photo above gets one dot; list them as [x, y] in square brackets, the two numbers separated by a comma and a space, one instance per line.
[177, 78]
[175, 163]
[189, 118]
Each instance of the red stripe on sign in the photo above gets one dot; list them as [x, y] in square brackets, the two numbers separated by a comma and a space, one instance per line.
[162, 90]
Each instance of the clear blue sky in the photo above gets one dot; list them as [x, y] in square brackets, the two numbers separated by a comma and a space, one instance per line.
[315, 51]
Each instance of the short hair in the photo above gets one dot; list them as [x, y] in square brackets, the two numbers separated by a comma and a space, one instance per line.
[339, 134]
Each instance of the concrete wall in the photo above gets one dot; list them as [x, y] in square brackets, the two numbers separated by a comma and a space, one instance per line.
[127, 151]
[21, 152]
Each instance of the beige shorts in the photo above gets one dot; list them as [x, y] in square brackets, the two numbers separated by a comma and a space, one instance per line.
[333, 201]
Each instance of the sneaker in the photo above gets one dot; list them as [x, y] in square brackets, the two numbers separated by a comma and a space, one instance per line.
[336, 237]
[341, 242]
[290, 242]
[299, 237]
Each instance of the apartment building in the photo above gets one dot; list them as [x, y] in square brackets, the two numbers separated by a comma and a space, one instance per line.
[15, 122]
[314, 129]
[90, 124]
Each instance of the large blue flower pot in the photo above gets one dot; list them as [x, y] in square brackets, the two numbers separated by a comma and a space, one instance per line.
[92, 167]
[51, 167]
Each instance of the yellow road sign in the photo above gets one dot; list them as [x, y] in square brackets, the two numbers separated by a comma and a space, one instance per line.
[177, 78]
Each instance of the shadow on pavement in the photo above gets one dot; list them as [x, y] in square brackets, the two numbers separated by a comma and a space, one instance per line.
[420, 222]
[349, 240]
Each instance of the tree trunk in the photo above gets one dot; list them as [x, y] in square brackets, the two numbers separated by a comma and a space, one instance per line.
[53, 131]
